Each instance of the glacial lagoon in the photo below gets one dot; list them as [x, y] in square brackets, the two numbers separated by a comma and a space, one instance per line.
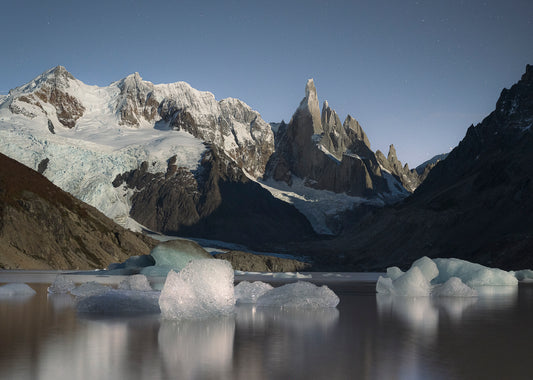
[367, 336]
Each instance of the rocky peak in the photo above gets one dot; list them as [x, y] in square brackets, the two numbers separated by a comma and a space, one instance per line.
[52, 87]
[352, 126]
[136, 101]
[309, 106]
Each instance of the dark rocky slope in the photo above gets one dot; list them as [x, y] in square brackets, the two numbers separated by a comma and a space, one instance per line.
[43, 227]
[217, 201]
[477, 204]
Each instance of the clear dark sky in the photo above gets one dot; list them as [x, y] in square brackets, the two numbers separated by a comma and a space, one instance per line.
[414, 73]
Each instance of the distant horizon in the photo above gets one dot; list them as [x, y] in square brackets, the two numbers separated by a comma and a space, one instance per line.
[414, 74]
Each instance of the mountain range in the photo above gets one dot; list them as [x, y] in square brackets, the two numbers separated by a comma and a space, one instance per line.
[172, 159]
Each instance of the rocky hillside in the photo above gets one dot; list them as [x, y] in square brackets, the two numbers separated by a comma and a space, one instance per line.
[43, 227]
[477, 204]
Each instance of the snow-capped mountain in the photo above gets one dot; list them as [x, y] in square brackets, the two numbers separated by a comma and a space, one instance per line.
[101, 143]
[171, 158]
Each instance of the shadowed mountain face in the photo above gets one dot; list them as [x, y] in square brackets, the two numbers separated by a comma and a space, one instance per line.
[477, 204]
[43, 227]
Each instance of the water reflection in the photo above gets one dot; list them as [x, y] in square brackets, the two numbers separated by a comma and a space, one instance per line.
[198, 348]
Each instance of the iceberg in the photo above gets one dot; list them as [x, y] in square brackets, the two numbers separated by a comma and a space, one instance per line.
[10, 290]
[473, 274]
[203, 288]
[249, 292]
[174, 255]
[444, 278]
[132, 265]
[524, 275]
[120, 302]
[412, 283]
[61, 285]
[454, 287]
[300, 294]
[135, 282]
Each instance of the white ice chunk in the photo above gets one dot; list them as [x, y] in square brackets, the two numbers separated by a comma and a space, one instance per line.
[120, 302]
[427, 267]
[9, 290]
[89, 289]
[202, 289]
[249, 292]
[61, 285]
[300, 294]
[524, 275]
[394, 272]
[454, 287]
[135, 282]
[412, 283]
[472, 274]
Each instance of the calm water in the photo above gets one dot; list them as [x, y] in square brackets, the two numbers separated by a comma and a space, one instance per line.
[366, 337]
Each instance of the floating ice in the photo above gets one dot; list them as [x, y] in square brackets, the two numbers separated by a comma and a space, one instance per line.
[472, 274]
[174, 255]
[202, 289]
[443, 277]
[9, 290]
[412, 283]
[61, 285]
[454, 287]
[89, 289]
[132, 265]
[524, 275]
[299, 294]
[135, 282]
[427, 267]
[248, 292]
[120, 302]
[394, 272]
[291, 275]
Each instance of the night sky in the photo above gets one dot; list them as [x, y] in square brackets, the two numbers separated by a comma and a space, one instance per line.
[413, 73]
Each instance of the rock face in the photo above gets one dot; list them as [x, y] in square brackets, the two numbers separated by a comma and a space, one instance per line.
[217, 201]
[328, 154]
[476, 205]
[42, 227]
[410, 179]
[250, 262]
